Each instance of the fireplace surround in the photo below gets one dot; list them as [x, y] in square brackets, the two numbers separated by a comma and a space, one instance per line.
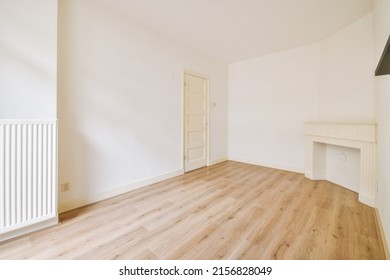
[361, 136]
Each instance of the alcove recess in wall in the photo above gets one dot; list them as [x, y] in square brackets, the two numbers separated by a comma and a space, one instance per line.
[383, 67]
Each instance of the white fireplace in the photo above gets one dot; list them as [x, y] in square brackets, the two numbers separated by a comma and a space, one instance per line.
[358, 136]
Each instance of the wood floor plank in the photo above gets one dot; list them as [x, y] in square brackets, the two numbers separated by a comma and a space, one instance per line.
[230, 210]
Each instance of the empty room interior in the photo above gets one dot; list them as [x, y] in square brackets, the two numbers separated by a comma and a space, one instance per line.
[194, 129]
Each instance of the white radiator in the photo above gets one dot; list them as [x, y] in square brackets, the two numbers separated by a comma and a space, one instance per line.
[28, 176]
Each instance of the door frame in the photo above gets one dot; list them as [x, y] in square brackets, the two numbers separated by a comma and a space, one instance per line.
[207, 78]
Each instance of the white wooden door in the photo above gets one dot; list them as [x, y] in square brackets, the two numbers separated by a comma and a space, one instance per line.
[195, 122]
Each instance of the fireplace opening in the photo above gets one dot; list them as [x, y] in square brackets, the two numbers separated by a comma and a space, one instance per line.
[342, 166]
[325, 141]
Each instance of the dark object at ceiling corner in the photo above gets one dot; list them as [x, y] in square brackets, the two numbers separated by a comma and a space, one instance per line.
[383, 67]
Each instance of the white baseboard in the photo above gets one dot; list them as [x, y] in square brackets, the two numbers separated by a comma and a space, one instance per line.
[269, 164]
[311, 176]
[218, 161]
[23, 230]
[368, 200]
[382, 233]
[342, 182]
[92, 198]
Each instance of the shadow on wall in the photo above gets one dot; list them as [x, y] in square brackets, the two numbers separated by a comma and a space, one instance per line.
[28, 60]
[119, 101]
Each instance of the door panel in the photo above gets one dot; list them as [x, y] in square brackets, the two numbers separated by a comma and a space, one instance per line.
[195, 124]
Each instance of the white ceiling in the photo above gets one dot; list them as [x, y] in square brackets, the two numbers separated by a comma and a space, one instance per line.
[234, 30]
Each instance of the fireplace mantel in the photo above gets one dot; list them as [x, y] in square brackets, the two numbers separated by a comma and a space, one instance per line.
[360, 136]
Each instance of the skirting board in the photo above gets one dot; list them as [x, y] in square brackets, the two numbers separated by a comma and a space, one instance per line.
[368, 200]
[342, 182]
[382, 234]
[89, 199]
[268, 164]
[218, 161]
[29, 229]
[363, 198]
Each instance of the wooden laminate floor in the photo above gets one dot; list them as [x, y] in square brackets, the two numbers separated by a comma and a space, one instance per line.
[228, 211]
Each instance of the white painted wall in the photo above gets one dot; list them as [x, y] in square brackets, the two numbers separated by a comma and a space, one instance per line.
[382, 95]
[120, 103]
[270, 97]
[28, 59]
[346, 81]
